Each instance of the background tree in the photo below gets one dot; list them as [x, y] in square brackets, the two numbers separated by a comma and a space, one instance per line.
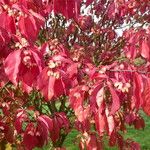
[73, 64]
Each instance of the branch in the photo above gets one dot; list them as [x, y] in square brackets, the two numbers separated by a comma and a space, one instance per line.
[126, 70]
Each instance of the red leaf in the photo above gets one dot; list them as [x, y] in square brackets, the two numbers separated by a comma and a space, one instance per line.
[42, 132]
[100, 122]
[137, 90]
[28, 28]
[145, 49]
[54, 134]
[97, 96]
[115, 100]
[60, 121]
[88, 2]
[50, 89]
[20, 118]
[134, 146]
[7, 22]
[46, 84]
[23, 65]
[100, 97]
[110, 122]
[146, 97]
[9, 134]
[47, 121]
[29, 140]
[139, 123]
[11, 65]
[70, 9]
[92, 143]
[82, 113]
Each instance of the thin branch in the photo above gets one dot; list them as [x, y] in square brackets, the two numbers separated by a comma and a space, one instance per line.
[126, 70]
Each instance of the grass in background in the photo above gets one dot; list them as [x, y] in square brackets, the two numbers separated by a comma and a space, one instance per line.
[140, 136]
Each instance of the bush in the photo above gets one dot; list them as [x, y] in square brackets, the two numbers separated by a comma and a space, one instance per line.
[73, 64]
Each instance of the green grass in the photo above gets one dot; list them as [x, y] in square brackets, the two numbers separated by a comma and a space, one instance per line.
[70, 141]
[140, 136]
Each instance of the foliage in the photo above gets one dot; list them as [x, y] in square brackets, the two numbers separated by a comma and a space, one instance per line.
[64, 66]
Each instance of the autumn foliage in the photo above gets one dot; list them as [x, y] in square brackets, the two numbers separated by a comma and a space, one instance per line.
[73, 64]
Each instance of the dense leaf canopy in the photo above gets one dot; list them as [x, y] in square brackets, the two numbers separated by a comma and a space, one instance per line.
[73, 64]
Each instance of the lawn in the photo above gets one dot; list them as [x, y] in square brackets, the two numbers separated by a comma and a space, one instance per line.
[140, 136]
